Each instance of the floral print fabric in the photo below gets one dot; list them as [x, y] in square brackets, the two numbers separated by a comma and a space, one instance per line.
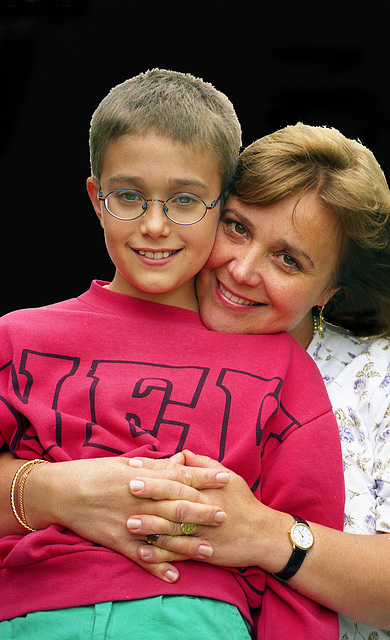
[356, 372]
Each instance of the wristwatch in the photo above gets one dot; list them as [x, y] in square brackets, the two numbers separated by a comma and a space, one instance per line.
[302, 540]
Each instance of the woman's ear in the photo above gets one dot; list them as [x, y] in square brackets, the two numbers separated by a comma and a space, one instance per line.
[93, 190]
[326, 296]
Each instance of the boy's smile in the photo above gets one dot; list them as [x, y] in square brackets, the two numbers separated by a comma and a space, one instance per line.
[155, 258]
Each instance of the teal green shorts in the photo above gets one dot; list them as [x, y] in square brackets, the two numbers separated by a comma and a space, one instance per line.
[160, 618]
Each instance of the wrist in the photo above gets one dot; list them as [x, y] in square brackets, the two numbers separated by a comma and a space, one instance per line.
[302, 539]
[273, 542]
[17, 491]
[40, 496]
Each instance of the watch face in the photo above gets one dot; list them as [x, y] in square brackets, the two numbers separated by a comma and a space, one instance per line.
[302, 536]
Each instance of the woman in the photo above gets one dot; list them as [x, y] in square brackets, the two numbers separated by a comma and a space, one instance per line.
[268, 269]
[265, 266]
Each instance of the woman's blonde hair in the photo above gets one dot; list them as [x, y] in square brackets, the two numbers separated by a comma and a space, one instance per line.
[173, 104]
[349, 181]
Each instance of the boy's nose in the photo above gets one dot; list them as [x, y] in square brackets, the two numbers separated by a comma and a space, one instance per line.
[154, 222]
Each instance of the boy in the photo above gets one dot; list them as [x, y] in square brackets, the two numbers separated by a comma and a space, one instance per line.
[112, 373]
[161, 152]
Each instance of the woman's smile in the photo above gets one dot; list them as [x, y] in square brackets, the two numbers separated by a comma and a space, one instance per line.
[232, 297]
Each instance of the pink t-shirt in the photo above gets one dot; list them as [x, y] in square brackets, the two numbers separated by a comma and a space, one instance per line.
[105, 374]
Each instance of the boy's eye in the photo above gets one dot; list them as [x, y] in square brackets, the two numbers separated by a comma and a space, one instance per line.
[128, 196]
[184, 199]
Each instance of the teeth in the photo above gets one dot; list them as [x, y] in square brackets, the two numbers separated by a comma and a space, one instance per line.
[156, 256]
[234, 298]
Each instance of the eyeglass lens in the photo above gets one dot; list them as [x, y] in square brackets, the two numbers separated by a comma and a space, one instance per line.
[182, 208]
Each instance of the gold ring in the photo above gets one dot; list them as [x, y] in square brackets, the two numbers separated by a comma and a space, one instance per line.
[187, 528]
[152, 538]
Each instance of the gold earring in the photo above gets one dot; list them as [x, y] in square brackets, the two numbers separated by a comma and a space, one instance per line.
[320, 320]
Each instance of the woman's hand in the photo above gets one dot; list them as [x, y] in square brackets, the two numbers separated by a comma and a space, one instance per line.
[246, 536]
[92, 498]
[254, 534]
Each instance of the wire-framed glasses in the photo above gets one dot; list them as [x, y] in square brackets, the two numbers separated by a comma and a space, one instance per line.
[183, 208]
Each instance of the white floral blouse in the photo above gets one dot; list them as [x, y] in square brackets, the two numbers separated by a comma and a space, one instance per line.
[356, 372]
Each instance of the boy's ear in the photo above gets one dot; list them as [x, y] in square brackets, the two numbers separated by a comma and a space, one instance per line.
[93, 190]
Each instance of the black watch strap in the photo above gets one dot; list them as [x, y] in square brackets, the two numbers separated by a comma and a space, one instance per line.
[296, 560]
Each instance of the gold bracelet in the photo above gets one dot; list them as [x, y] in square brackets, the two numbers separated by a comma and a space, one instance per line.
[25, 469]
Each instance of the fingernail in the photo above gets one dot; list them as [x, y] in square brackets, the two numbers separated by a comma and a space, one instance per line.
[171, 575]
[176, 458]
[222, 477]
[134, 523]
[136, 462]
[205, 551]
[145, 551]
[137, 485]
[220, 517]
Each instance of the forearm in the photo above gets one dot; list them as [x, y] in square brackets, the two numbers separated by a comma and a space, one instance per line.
[342, 571]
[348, 573]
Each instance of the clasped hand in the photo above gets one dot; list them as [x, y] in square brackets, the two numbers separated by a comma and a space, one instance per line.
[116, 502]
[221, 505]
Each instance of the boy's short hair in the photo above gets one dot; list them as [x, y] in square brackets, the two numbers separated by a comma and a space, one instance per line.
[173, 104]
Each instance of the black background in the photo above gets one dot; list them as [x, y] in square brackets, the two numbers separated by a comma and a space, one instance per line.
[316, 63]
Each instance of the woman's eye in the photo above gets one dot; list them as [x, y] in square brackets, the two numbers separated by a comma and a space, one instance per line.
[239, 228]
[288, 261]
[236, 227]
